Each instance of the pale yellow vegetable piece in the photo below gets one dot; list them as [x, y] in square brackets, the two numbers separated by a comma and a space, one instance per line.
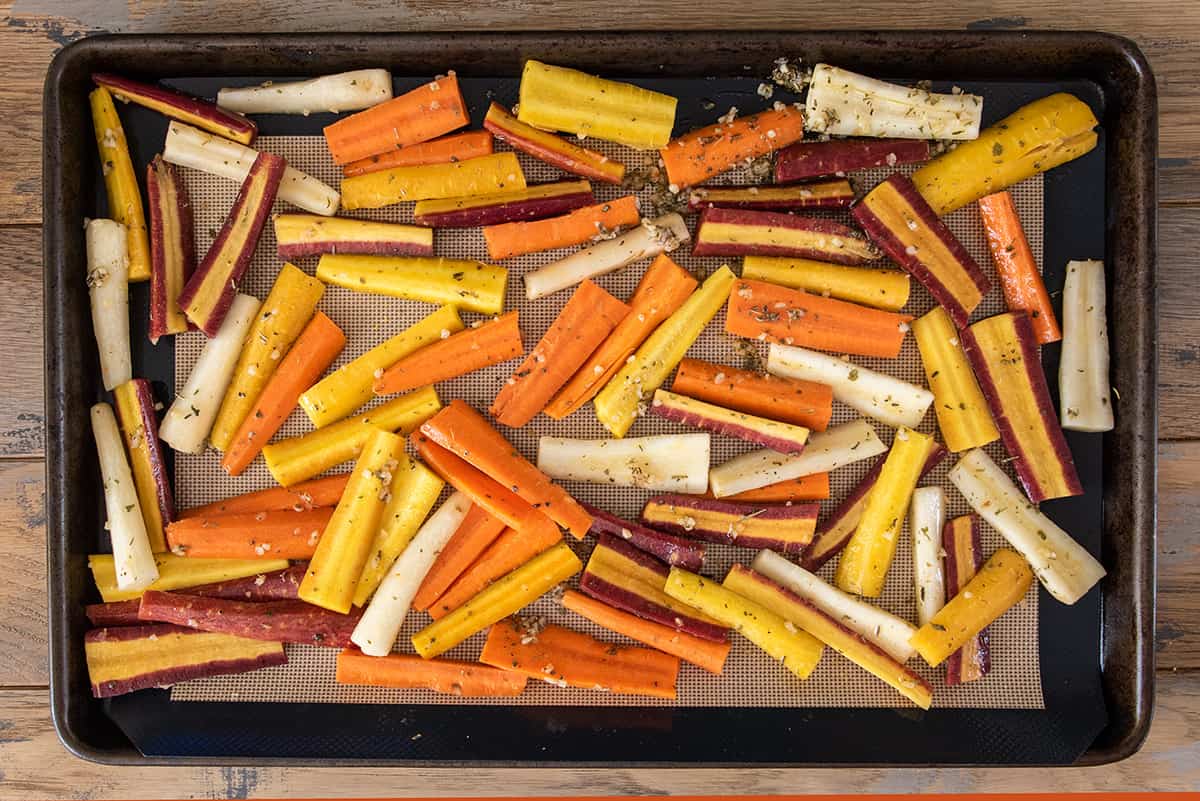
[177, 572]
[962, 413]
[121, 182]
[471, 285]
[883, 289]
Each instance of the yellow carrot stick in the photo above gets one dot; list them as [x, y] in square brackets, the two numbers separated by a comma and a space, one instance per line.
[962, 412]
[300, 458]
[471, 285]
[864, 563]
[485, 175]
[503, 597]
[177, 572]
[618, 403]
[350, 386]
[334, 571]
[120, 182]
[797, 650]
[288, 308]
[414, 491]
[883, 289]
[996, 588]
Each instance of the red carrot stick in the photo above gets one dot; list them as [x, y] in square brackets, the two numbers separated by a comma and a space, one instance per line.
[278, 621]
[465, 352]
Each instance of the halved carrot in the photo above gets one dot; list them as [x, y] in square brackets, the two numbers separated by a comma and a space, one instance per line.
[315, 349]
[574, 228]
[701, 653]
[508, 552]
[702, 154]
[1019, 275]
[325, 491]
[461, 429]
[477, 531]
[458, 147]
[587, 319]
[804, 403]
[813, 487]
[417, 116]
[466, 679]
[758, 310]
[567, 658]
[482, 489]
[465, 352]
[662, 290]
[285, 534]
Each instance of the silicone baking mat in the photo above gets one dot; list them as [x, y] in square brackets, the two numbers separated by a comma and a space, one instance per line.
[750, 679]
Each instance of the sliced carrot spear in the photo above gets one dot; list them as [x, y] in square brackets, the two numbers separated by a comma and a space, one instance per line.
[813, 487]
[477, 531]
[662, 290]
[285, 534]
[1019, 275]
[701, 653]
[587, 319]
[465, 352]
[458, 147]
[461, 429]
[758, 310]
[417, 116]
[508, 552]
[705, 153]
[298, 497]
[567, 658]
[574, 228]
[464, 679]
[804, 403]
[315, 349]
[499, 501]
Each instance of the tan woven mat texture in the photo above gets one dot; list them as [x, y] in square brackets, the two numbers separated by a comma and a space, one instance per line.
[750, 679]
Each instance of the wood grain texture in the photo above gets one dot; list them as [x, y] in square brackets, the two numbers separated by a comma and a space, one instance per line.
[28, 744]
[1179, 324]
[22, 415]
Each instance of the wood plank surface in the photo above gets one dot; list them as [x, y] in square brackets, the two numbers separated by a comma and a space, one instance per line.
[31, 31]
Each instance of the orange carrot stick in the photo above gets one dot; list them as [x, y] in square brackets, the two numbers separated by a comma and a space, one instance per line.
[509, 551]
[465, 679]
[813, 487]
[469, 350]
[418, 116]
[804, 403]
[283, 534]
[315, 349]
[758, 310]
[499, 501]
[589, 316]
[701, 653]
[574, 228]
[1019, 275]
[573, 659]
[662, 290]
[697, 156]
[461, 429]
[458, 147]
[477, 531]
[325, 491]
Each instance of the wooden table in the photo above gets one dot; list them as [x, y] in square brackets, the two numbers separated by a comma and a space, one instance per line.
[33, 763]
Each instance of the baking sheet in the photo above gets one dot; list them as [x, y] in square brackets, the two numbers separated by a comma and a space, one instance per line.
[751, 679]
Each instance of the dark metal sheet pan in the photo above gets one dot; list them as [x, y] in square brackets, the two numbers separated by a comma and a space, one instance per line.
[1097, 656]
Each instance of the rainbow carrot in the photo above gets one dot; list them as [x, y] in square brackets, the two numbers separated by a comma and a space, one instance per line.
[588, 318]
[120, 182]
[458, 147]
[477, 531]
[705, 153]
[814, 487]
[701, 653]
[508, 552]
[758, 310]
[574, 228]
[417, 116]
[803, 403]
[1020, 278]
[315, 349]
[662, 290]
[461, 429]
[492, 342]
[284, 534]
[463, 679]
[308, 495]
[567, 658]
[552, 149]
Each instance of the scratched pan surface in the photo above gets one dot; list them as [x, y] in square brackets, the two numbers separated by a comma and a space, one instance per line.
[1095, 657]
